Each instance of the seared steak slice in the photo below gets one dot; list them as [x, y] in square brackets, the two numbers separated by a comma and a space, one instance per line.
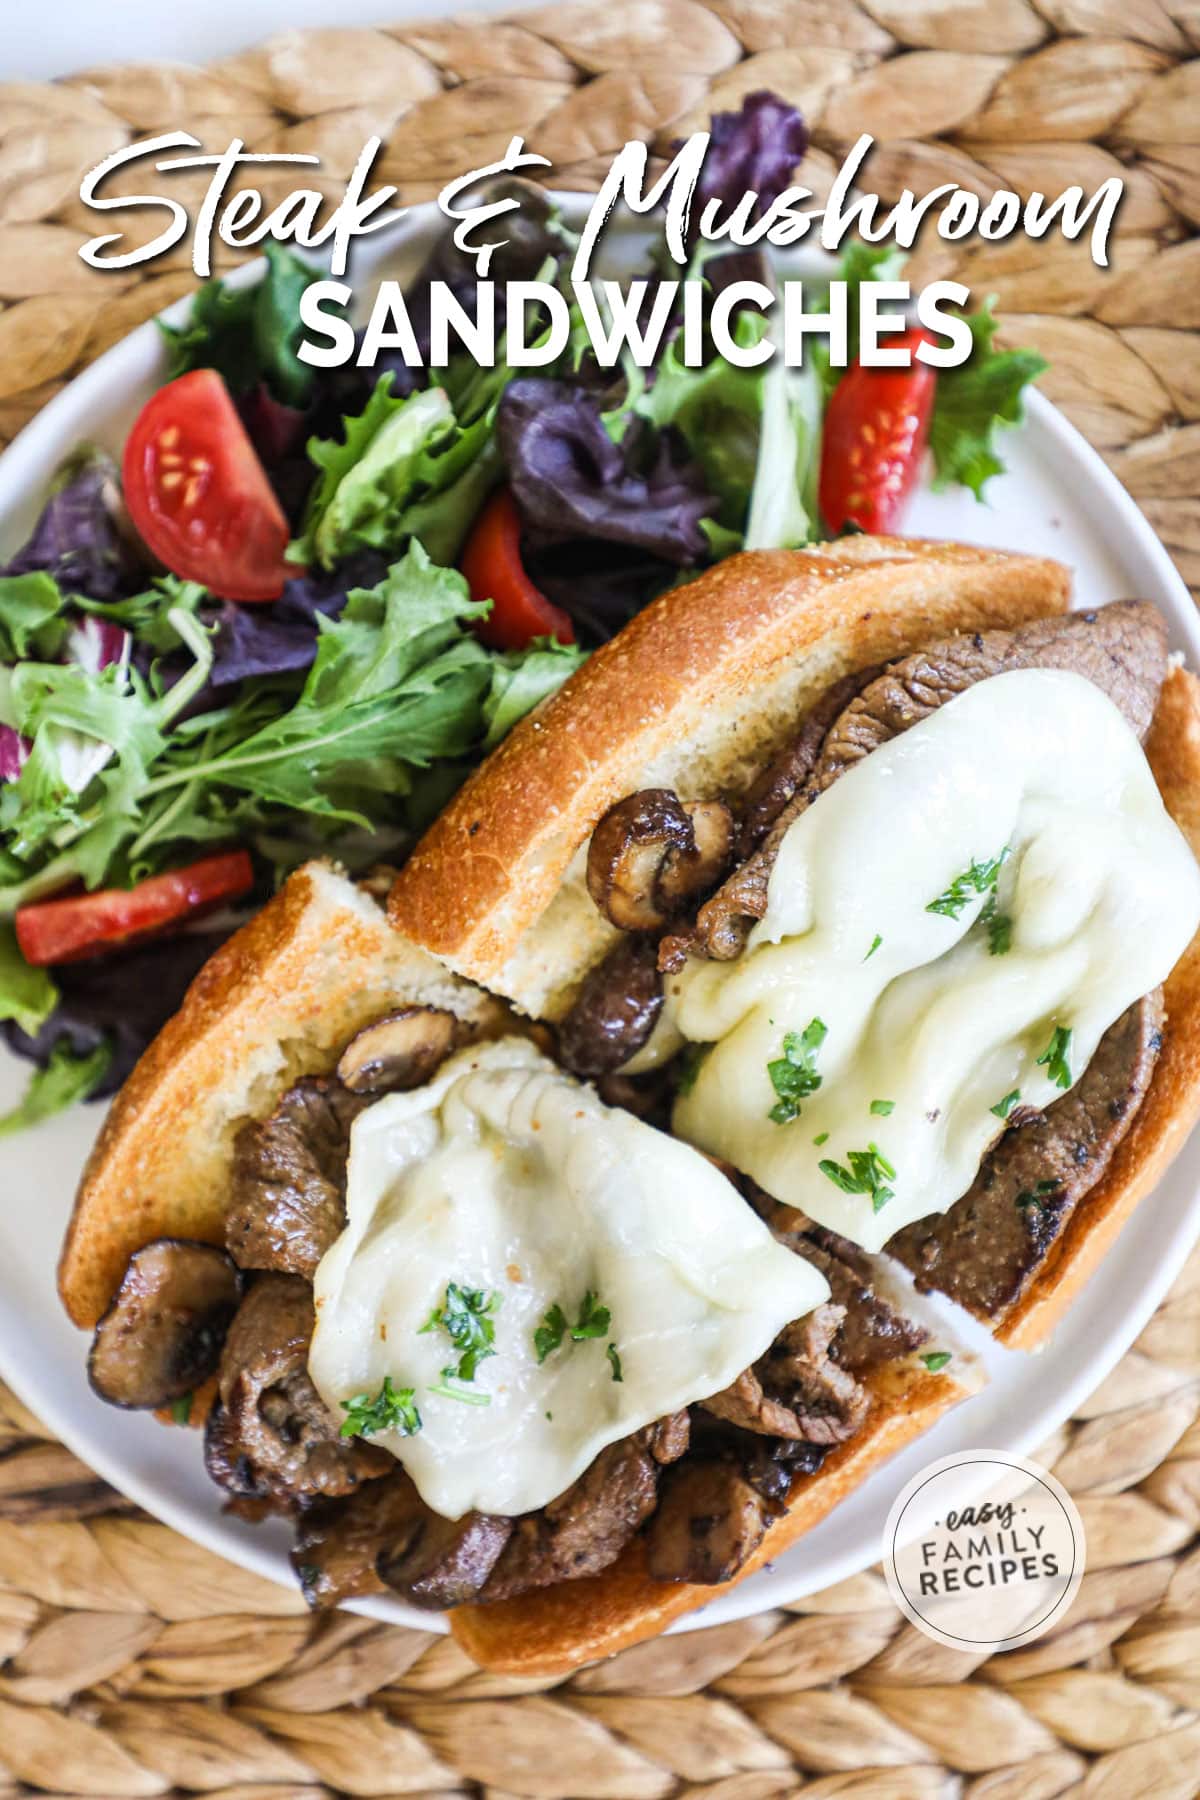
[985, 1249]
[872, 1332]
[782, 779]
[289, 1179]
[270, 1438]
[386, 1536]
[709, 1521]
[588, 1526]
[1121, 648]
[796, 1390]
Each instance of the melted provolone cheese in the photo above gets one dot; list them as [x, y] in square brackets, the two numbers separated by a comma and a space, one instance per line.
[506, 1176]
[928, 1030]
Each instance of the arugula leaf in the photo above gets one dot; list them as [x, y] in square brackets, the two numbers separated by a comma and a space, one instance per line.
[64, 1080]
[521, 679]
[971, 401]
[27, 995]
[249, 334]
[31, 622]
[147, 615]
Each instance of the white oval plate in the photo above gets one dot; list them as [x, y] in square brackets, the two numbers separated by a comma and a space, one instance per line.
[1057, 498]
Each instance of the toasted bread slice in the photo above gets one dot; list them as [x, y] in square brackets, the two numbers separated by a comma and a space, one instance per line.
[278, 1001]
[553, 1630]
[695, 694]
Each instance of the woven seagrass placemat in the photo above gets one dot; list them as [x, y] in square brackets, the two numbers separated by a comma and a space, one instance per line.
[136, 1664]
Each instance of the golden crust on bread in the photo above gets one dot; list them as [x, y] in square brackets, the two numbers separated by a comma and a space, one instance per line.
[278, 1001]
[553, 1630]
[1172, 1104]
[696, 693]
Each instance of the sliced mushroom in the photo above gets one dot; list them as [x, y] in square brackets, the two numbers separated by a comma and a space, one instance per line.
[163, 1332]
[398, 1052]
[615, 1010]
[651, 852]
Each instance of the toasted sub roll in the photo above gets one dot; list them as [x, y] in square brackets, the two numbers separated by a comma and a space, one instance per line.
[696, 694]
[276, 1002]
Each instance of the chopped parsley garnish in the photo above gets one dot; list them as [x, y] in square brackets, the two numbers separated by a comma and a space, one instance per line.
[593, 1319]
[882, 1108]
[794, 1074]
[822, 1137]
[549, 1334]
[1038, 1195]
[391, 1409]
[935, 1360]
[449, 1392]
[875, 943]
[181, 1409]
[691, 1061]
[1003, 1107]
[1054, 1057]
[868, 1173]
[977, 878]
[593, 1322]
[999, 928]
[465, 1318]
[615, 1360]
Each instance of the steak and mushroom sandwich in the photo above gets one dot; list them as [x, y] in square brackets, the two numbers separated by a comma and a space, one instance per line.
[555, 1254]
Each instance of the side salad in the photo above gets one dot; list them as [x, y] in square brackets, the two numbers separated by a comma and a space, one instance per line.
[310, 601]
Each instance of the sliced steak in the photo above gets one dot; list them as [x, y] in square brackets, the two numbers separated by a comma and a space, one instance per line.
[288, 1204]
[384, 1535]
[769, 796]
[985, 1249]
[796, 1390]
[588, 1526]
[270, 1439]
[709, 1521]
[872, 1331]
[1121, 648]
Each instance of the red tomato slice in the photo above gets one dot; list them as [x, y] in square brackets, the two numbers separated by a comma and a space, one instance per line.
[199, 495]
[492, 565]
[876, 429]
[58, 931]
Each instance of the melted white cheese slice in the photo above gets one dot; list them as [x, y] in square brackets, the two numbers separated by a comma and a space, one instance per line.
[505, 1175]
[930, 1026]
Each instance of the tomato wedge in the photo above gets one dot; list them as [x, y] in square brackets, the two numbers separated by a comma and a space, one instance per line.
[876, 430]
[59, 931]
[492, 565]
[198, 494]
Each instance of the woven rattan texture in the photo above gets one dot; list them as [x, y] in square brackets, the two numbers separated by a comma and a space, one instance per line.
[137, 1664]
